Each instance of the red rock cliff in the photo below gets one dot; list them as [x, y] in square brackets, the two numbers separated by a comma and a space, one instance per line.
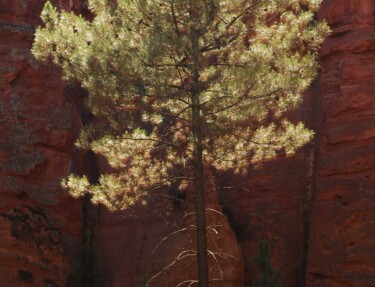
[317, 209]
[40, 226]
[342, 238]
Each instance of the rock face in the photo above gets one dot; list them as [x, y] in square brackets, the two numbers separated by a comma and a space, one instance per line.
[40, 226]
[316, 209]
[342, 233]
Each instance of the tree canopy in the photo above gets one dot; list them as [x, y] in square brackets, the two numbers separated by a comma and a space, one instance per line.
[254, 58]
[184, 85]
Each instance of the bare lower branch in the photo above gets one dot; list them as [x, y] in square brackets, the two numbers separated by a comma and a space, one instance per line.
[182, 255]
[191, 227]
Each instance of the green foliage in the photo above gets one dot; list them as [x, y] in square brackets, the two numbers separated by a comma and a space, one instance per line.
[89, 254]
[268, 276]
[143, 282]
[249, 64]
[184, 86]
[85, 270]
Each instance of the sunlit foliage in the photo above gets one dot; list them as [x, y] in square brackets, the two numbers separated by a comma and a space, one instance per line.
[136, 60]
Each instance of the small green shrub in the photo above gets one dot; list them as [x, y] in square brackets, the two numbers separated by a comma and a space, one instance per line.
[268, 276]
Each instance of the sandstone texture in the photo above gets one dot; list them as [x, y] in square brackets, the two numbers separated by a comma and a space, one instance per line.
[342, 237]
[316, 210]
[40, 226]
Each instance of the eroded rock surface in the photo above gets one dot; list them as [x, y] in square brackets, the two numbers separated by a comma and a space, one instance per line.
[316, 210]
[342, 241]
[40, 226]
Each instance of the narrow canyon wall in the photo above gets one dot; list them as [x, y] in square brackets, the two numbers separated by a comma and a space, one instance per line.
[342, 241]
[40, 226]
[316, 209]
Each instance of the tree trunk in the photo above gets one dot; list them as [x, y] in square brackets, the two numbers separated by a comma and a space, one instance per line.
[198, 171]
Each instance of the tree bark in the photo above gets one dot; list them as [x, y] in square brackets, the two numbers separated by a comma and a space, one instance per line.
[198, 169]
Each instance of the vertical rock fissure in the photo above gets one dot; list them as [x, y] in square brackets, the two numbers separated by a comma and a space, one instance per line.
[311, 154]
[88, 166]
[307, 212]
[88, 247]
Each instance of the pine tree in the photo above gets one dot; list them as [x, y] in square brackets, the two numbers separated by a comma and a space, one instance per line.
[185, 85]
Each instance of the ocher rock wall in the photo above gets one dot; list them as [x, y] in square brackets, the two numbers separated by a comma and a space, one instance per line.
[317, 209]
[40, 226]
[342, 241]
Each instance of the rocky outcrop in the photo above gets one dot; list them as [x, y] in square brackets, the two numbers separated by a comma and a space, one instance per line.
[40, 226]
[342, 240]
[316, 209]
